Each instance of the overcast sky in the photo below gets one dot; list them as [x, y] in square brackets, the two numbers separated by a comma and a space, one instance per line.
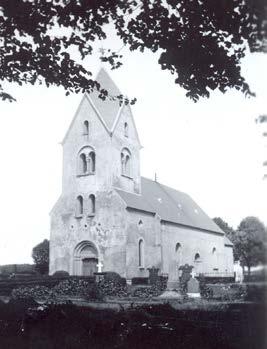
[211, 149]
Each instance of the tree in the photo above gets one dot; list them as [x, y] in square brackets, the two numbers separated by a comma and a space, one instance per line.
[40, 255]
[250, 242]
[201, 42]
[229, 232]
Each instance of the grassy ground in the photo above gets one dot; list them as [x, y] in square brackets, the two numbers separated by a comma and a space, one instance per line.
[27, 325]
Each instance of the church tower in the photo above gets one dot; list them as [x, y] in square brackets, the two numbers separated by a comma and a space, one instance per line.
[101, 148]
[100, 155]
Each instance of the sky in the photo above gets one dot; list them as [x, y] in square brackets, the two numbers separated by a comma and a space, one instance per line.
[212, 149]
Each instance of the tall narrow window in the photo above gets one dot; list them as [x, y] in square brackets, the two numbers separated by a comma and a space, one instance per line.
[126, 129]
[197, 257]
[141, 253]
[79, 206]
[83, 164]
[126, 162]
[91, 208]
[91, 164]
[86, 127]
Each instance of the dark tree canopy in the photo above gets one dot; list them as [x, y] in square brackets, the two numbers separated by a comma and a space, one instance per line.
[200, 41]
[250, 242]
[229, 231]
[40, 256]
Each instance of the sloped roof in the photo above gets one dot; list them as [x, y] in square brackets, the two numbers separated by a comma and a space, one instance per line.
[171, 205]
[108, 109]
[227, 242]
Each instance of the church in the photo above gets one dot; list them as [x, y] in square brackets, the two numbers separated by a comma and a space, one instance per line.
[109, 218]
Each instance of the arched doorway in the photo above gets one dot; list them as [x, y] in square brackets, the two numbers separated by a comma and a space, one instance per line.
[85, 259]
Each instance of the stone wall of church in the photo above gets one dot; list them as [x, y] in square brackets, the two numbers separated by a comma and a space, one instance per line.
[229, 259]
[108, 169]
[105, 230]
[181, 245]
[145, 227]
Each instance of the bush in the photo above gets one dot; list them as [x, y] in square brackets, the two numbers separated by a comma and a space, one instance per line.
[61, 274]
[112, 288]
[40, 292]
[140, 281]
[111, 276]
[151, 291]
[71, 287]
[205, 291]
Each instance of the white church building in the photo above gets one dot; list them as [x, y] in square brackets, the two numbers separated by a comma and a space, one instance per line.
[110, 216]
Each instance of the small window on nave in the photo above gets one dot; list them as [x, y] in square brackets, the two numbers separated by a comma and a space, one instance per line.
[141, 257]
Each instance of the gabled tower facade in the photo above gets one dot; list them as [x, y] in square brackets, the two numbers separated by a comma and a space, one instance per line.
[100, 153]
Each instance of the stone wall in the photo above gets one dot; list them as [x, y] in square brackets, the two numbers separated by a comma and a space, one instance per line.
[191, 242]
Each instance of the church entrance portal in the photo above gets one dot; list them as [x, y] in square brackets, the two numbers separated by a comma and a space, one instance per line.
[89, 266]
[85, 259]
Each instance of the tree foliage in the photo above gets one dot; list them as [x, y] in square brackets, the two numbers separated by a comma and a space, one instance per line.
[200, 41]
[229, 232]
[250, 242]
[40, 255]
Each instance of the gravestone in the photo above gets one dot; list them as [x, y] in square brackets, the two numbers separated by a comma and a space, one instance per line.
[193, 288]
[186, 276]
[153, 275]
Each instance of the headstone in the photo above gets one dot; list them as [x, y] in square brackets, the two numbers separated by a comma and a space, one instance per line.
[186, 276]
[153, 275]
[193, 288]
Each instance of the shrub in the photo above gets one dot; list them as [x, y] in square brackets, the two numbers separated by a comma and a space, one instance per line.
[111, 276]
[93, 292]
[205, 291]
[61, 273]
[140, 281]
[40, 292]
[71, 287]
[151, 291]
[112, 288]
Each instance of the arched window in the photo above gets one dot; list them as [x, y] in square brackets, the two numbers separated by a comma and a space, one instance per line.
[83, 164]
[126, 129]
[86, 127]
[79, 206]
[86, 161]
[178, 247]
[214, 250]
[141, 253]
[197, 257]
[91, 206]
[178, 250]
[126, 162]
[91, 162]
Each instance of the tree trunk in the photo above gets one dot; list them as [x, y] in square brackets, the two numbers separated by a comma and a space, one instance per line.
[248, 272]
